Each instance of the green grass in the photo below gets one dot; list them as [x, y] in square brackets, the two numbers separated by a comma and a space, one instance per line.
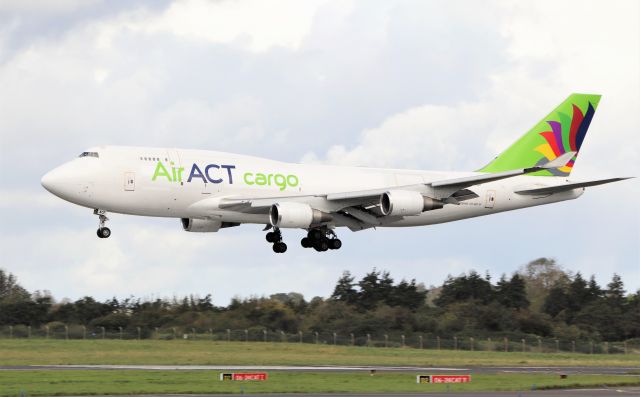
[41, 352]
[58, 382]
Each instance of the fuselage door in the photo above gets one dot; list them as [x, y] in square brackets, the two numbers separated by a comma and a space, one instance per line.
[129, 181]
[490, 199]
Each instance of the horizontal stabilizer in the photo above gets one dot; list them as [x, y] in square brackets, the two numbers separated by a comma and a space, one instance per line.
[485, 178]
[567, 187]
[561, 161]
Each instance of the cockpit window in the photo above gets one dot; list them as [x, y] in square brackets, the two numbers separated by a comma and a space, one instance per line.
[89, 154]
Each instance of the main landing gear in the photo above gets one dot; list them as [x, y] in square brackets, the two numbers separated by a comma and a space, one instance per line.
[321, 239]
[103, 231]
[275, 237]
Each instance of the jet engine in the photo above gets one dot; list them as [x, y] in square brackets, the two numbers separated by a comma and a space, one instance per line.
[296, 215]
[200, 225]
[404, 202]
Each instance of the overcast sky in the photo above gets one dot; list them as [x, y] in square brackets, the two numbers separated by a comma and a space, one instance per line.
[442, 85]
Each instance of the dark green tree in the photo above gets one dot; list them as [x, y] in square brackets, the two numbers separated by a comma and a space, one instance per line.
[10, 290]
[464, 288]
[344, 290]
[615, 292]
[372, 290]
[512, 293]
[595, 292]
[556, 300]
[407, 294]
[578, 296]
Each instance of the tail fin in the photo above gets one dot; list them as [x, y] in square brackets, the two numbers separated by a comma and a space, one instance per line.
[562, 131]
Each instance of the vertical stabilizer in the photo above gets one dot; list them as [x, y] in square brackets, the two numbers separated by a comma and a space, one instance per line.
[561, 131]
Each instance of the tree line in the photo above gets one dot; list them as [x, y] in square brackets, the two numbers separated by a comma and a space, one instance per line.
[540, 299]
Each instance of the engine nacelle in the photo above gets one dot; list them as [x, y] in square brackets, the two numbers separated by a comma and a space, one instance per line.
[296, 215]
[405, 203]
[200, 225]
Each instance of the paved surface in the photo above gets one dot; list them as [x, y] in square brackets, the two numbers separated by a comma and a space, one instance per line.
[622, 392]
[435, 370]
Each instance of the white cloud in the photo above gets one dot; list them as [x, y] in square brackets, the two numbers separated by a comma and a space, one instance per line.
[253, 25]
[550, 56]
[49, 6]
[412, 138]
[241, 115]
[25, 199]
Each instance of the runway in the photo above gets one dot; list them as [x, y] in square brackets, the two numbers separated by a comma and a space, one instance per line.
[601, 392]
[590, 392]
[435, 370]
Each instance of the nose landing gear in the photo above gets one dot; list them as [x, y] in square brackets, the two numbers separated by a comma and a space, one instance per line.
[103, 231]
[275, 237]
[321, 239]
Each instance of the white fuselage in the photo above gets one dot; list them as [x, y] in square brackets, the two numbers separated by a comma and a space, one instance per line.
[174, 182]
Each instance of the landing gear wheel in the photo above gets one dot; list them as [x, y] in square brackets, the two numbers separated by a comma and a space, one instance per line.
[321, 245]
[272, 237]
[279, 247]
[321, 239]
[104, 232]
[275, 237]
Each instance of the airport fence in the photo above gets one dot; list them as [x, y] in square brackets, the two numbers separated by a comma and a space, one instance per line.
[380, 340]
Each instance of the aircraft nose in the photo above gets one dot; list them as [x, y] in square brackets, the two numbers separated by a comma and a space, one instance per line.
[63, 181]
[50, 180]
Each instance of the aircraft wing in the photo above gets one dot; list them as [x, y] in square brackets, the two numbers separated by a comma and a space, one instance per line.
[449, 190]
[359, 210]
[566, 187]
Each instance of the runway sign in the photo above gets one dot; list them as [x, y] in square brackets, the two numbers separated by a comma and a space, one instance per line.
[244, 376]
[443, 378]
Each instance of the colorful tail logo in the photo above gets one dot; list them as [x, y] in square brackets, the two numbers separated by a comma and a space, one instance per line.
[566, 135]
[561, 131]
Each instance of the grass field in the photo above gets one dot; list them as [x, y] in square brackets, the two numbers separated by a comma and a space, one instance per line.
[91, 382]
[41, 351]
[40, 383]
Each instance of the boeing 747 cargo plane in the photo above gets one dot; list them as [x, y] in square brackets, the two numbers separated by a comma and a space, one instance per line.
[211, 190]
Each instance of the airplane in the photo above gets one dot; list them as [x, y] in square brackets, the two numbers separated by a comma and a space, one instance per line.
[211, 190]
